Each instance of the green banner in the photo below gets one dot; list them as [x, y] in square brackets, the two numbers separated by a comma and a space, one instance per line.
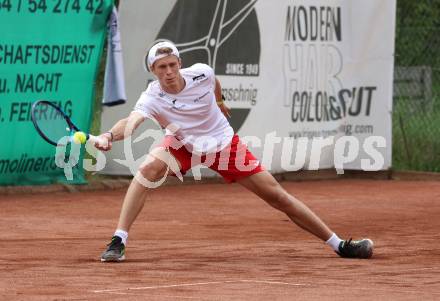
[49, 49]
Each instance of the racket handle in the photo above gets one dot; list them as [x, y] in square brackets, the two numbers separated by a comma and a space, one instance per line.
[96, 140]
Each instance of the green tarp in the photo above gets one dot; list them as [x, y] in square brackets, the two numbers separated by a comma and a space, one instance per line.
[49, 49]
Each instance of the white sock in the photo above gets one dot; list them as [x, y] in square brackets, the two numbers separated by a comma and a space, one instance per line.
[122, 234]
[334, 242]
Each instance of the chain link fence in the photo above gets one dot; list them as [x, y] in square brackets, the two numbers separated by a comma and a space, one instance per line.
[416, 112]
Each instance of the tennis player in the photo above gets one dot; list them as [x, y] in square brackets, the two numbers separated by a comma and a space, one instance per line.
[188, 104]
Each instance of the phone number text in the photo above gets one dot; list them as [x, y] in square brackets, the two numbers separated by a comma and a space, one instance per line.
[53, 6]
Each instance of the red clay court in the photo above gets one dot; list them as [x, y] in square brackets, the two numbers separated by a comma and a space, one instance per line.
[218, 242]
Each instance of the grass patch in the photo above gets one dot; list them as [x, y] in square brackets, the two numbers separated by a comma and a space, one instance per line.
[416, 132]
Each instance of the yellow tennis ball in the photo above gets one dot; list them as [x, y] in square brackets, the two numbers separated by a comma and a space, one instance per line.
[79, 138]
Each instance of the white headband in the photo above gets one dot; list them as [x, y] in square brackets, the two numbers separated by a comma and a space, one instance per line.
[153, 56]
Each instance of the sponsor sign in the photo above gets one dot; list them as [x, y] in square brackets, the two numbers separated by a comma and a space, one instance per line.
[48, 50]
[309, 78]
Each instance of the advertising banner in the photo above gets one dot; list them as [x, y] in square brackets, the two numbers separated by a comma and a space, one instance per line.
[48, 50]
[309, 82]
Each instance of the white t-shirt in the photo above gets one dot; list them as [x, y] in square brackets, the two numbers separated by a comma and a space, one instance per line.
[192, 115]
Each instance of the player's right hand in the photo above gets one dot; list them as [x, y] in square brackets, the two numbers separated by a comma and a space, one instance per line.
[103, 142]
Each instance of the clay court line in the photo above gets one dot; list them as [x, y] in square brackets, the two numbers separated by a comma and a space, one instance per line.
[163, 296]
[273, 282]
[196, 284]
[417, 268]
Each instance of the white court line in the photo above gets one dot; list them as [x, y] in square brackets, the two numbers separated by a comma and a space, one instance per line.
[273, 282]
[196, 284]
[159, 286]
[419, 269]
[124, 291]
[163, 296]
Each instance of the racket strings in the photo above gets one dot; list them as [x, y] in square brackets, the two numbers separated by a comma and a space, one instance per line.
[51, 122]
[46, 112]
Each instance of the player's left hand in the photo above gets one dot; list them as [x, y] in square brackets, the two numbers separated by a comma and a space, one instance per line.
[225, 110]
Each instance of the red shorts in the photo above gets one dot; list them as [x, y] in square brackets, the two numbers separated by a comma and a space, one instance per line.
[234, 162]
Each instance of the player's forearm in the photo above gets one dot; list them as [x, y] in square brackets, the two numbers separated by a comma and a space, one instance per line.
[120, 130]
[218, 91]
[125, 127]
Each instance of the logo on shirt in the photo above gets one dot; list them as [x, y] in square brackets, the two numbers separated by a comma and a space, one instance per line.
[200, 98]
[225, 35]
[199, 77]
[172, 101]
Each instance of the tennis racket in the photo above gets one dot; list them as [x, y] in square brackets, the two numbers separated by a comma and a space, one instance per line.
[52, 123]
